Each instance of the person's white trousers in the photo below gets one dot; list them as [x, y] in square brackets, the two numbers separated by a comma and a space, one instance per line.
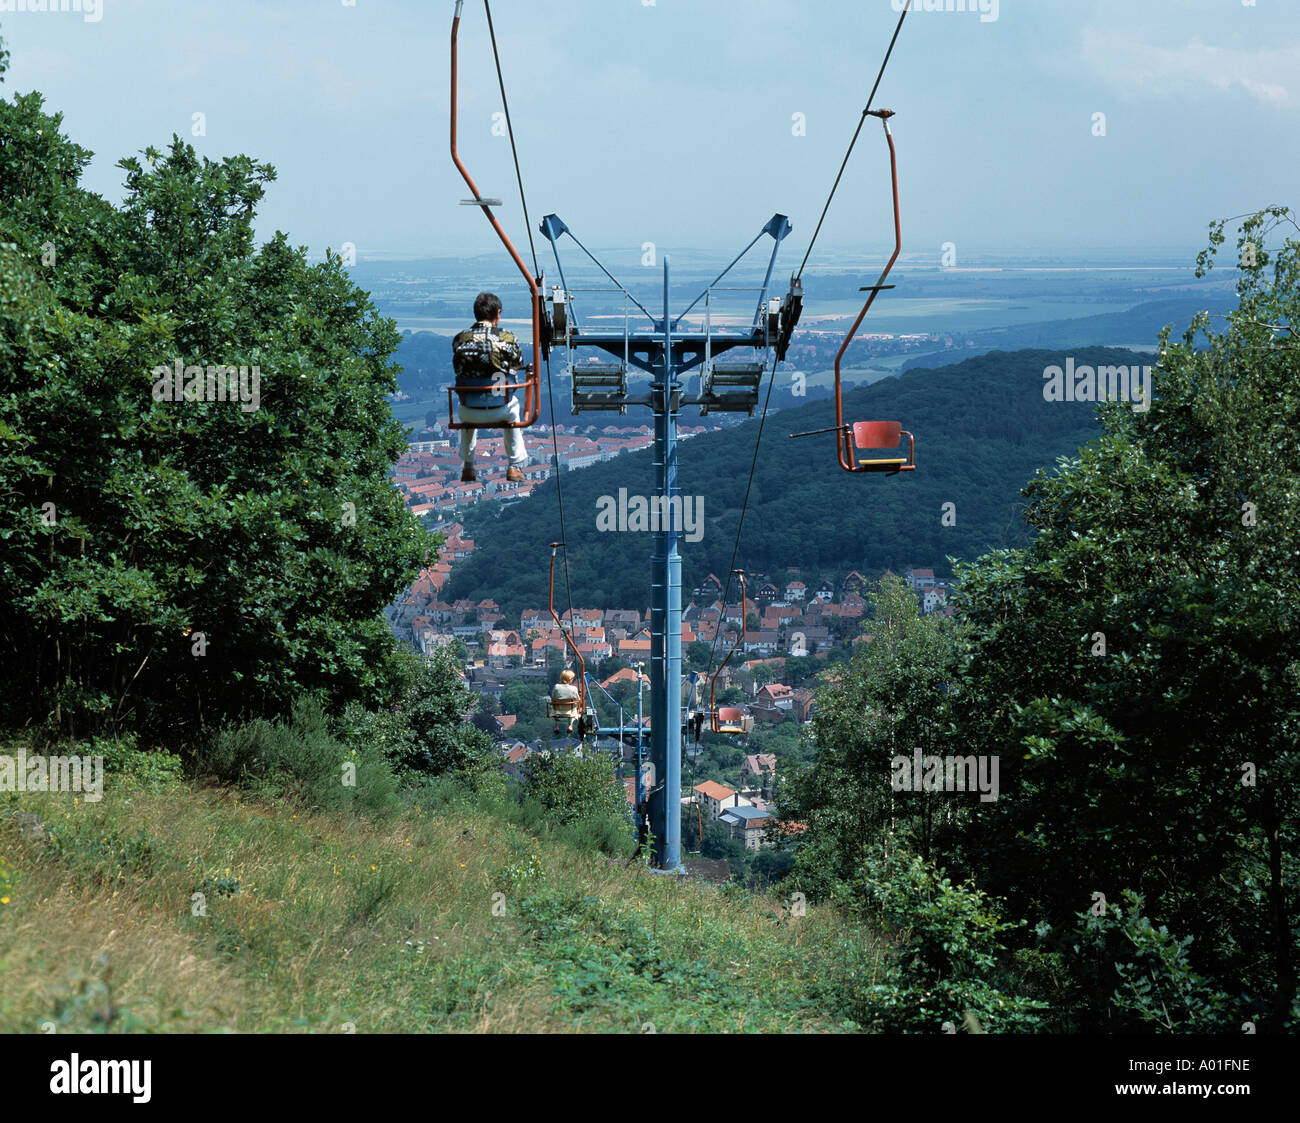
[516, 453]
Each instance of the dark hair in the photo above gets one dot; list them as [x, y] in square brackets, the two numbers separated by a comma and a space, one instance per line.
[487, 307]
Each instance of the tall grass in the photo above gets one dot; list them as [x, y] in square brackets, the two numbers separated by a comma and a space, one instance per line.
[173, 907]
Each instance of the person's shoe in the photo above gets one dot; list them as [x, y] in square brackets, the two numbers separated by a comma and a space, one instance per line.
[514, 475]
[468, 475]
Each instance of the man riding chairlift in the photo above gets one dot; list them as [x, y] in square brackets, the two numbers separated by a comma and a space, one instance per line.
[565, 701]
[487, 356]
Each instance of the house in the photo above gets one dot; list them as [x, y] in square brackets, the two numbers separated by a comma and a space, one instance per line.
[627, 674]
[853, 606]
[534, 620]
[796, 591]
[778, 695]
[854, 583]
[933, 599]
[804, 703]
[825, 592]
[815, 639]
[767, 591]
[756, 765]
[504, 654]
[594, 649]
[516, 752]
[627, 618]
[709, 589]
[718, 798]
[429, 641]
[920, 579]
[746, 824]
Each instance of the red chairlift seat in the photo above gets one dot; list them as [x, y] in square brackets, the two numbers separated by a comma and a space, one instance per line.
[882, 435]
[732, 719]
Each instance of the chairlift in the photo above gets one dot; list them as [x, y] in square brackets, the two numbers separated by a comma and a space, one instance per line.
[542, 328]
[730, 719]
[854, 439]
[562, 710]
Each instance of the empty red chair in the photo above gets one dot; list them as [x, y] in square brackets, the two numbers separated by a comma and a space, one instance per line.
[881, 435]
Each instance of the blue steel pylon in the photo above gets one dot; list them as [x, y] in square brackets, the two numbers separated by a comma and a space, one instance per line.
[666, 351]
[666, 616]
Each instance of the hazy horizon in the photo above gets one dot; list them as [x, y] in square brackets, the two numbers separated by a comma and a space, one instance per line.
[654, 122]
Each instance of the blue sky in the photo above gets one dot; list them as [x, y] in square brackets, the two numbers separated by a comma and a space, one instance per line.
[671, 122]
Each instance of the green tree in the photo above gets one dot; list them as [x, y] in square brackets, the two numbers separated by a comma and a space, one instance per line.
[573, 789]
[525, 698]
[170, 564]
[891, 700]
[698, 653]
[1137, 667]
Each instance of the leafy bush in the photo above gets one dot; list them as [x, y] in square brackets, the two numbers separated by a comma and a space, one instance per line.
[1138, 978]
[426, 731]
[301, 759]
[574, 789]
[948, 958]
[156, 768]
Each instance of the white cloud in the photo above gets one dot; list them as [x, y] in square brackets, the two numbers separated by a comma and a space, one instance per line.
[1265, 74]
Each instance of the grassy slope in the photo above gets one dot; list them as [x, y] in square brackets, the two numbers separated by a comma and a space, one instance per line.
[388, 927]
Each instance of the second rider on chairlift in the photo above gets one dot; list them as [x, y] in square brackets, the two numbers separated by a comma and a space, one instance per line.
[487, 356]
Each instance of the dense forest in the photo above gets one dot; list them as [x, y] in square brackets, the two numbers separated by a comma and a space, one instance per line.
[982, 428]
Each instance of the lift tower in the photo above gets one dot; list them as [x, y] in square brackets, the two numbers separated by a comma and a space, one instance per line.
[666, 350]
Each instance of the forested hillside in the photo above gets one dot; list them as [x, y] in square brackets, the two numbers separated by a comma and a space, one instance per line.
[982, 428]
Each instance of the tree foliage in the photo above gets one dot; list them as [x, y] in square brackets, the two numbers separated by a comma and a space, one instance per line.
[1135, 671]
[166, 565]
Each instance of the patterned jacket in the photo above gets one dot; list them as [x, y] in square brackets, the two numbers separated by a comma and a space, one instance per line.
[485, 356]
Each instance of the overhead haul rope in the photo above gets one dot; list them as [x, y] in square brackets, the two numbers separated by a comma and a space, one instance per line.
[496, 58]
[731, 568]
[763, 419]
[857, 132]
[523, 202]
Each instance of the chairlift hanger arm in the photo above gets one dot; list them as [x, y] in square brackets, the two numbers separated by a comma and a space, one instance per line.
[713, 682]
[856, 133]
[532, 388]
[844, 442]
[582, 665]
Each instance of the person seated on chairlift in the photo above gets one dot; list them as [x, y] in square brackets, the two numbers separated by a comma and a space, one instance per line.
[564, 701]
[489, 357]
